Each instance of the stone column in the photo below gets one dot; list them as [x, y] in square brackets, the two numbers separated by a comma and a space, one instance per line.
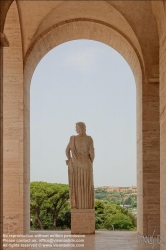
[163, 136]
[1, 150]
[149, 172]
[3, 43]
[13, 124]
[151, 158]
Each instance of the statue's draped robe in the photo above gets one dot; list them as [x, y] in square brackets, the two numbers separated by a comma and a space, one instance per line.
[80, 172]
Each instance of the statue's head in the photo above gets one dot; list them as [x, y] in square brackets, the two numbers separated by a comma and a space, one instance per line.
[81, 128]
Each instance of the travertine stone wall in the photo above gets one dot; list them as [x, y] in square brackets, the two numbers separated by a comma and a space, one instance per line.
[139, 158]
[163, 139]
[159, 10]
[4, 7]
[69, 10]
[3, 43]
[151, 158]
[13, 126]
[1, 147]
[3, 11]
[163, 132]
[148, 160]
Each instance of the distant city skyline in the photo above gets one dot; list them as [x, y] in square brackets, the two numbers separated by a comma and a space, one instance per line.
[87, 81]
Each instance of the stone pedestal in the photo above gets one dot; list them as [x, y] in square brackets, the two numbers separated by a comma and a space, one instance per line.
[82, 221]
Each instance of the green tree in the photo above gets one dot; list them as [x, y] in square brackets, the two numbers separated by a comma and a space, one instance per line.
[119, 217]
[99, 207]
[128, 201]
[40, 192]
[99, 214]
[46, 201]
[118, 221]
[64, 219]
[58, 201]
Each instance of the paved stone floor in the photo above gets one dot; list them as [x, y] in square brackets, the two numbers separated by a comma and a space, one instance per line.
[102, 240]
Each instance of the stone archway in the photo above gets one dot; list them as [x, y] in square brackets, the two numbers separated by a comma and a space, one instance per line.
[147, 117]
[77, 29]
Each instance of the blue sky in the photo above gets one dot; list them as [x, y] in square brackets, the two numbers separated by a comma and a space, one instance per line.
[87, 81]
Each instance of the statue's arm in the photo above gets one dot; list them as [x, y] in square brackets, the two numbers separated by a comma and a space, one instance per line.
[92, 151]
[68, 151]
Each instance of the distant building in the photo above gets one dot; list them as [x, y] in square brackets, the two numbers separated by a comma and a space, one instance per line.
[112, 188]
[119, 189]
[124, 189]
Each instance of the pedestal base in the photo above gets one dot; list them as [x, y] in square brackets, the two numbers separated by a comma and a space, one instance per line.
[82, 221]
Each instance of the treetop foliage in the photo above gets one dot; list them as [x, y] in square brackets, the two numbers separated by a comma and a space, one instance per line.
[50, 209]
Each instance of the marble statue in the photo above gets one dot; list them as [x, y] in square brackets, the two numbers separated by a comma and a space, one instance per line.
[80, 154]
